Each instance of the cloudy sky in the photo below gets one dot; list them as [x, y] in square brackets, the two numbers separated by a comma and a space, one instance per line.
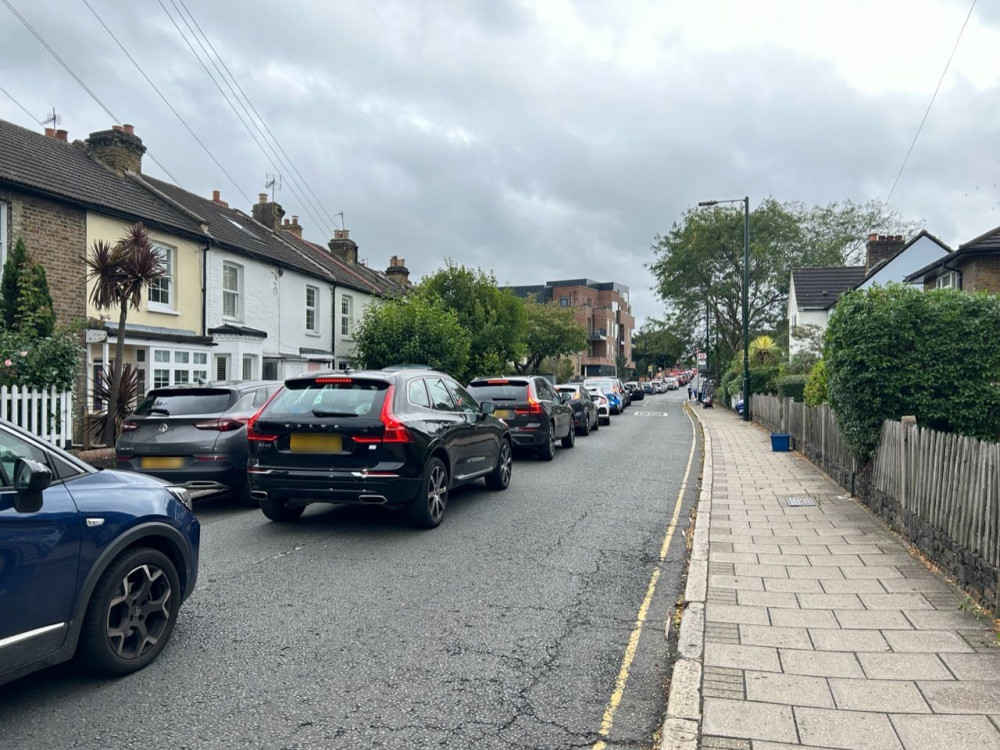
[539, 139]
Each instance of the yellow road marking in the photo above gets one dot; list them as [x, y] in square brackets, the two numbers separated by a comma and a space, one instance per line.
[633, 641]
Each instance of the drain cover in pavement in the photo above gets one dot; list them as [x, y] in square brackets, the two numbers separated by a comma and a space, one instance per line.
[800, 501]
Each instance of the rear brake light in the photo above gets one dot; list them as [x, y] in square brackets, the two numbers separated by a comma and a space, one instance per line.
[222, 425]
[496, 382]
[394, 431]
[252, 433]
[534, 407]
[129, 426]
[325, 381]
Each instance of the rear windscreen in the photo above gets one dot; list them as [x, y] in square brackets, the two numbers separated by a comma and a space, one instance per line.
[179, 403]
[509, 391]
[334, 397]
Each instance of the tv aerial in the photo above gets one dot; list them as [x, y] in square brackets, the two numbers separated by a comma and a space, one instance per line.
[53, 120]
[273, 183]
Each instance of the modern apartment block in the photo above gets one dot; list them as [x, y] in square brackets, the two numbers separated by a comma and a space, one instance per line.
[604, 309]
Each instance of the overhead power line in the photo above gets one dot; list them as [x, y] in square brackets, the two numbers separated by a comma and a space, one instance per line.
[167, 102]
[23, 108]
[75, 77]
[303, 201]
[931, 103]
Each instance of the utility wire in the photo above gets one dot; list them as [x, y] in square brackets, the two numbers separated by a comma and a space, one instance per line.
[305, 205]
[76, 78]
[167, 102]
[931, 103]
[23, 108]
[235, 80]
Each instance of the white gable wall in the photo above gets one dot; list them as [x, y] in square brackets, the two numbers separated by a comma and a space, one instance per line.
[922, 252]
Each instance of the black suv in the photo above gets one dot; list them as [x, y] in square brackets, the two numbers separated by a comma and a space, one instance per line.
[537, 415]
[399, 438]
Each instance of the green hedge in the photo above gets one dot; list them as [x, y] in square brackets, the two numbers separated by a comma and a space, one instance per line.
[894, 351]
[792, 386]
[42, 363]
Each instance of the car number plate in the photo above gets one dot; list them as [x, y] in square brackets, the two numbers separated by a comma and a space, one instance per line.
[316, 444]
[503, 413]
[161, 462]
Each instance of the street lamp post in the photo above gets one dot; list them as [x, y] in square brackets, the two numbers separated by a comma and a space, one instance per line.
[746, 297]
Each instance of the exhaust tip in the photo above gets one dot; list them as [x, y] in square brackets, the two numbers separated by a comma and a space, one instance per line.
[373, 499]
[258, 494]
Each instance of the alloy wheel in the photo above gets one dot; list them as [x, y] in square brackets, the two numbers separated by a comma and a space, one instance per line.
[139, 611]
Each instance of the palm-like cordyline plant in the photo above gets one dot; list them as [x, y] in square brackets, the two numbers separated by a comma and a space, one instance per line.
[121, 273]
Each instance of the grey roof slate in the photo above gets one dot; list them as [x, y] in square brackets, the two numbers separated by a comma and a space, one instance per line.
[820, 288]
[48, 166]
[353, 275]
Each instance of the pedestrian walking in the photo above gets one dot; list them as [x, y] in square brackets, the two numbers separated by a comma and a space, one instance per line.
[689, 393]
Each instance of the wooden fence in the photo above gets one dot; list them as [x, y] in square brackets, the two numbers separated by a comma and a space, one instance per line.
[939, 490]
[47, 414]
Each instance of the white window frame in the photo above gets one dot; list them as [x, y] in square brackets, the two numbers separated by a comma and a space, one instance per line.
[180, 365]
[314, 309]
[236, 294]
[947, 280]
[164, 284]
[347, 316]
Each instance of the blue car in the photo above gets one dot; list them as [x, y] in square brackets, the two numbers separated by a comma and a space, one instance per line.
[93, 564]
[615, 397]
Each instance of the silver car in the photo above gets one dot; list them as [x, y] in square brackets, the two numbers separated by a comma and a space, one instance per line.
[195, 436]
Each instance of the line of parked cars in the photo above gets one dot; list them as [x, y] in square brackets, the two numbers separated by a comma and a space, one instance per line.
[116, 552]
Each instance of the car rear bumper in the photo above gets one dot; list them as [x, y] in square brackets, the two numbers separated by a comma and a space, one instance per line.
[529, 438]
[199, 477]
[367, 488]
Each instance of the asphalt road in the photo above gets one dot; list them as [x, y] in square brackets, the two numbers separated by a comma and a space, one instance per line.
[506, 627]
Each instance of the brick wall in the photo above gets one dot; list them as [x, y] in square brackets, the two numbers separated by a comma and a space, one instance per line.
[56, 237]
[982, 274]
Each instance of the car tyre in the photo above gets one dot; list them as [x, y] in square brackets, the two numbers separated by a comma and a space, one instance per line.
[278, 509]
[131, 614]
[606, 420]
[547, 451]
[499, 478]
[597, 424]
[570, 440]
[585, 430]
[428, 507]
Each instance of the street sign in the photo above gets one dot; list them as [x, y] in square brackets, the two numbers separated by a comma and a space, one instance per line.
[96, 336]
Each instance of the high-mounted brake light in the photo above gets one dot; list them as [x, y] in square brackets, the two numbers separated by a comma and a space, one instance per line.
[496, 382]
[394, 431]
[326, 381]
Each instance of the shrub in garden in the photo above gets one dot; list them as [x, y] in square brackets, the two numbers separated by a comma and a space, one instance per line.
[792, 386]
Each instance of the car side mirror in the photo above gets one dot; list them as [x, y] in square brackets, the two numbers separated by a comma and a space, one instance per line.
[487, 407]
[30, 478]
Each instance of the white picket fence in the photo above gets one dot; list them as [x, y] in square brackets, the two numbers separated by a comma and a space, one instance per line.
[48, 414]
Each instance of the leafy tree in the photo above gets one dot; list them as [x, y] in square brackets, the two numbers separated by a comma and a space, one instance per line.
[121, 273]
[895, 350]
[658, 345]
[26, 303]
[550, 331]
[698, 264]
[815, 390]
[414, 329]
[495, 319]
[764, 350]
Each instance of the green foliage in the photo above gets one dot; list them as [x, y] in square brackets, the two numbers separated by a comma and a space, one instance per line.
[816, 388]
[129, 391]
[25, 300]
[764, 350]
[550, 331]
[763, 377]
[494, 319]
[26, 360]
[791, 386]
[414, 329]
[898, 351]
[658, 344]
[800, 363]
[699, 262]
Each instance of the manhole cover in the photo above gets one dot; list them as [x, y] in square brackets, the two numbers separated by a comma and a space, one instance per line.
[799, 501]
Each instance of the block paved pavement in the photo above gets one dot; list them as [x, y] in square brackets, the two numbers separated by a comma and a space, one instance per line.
[820, 629]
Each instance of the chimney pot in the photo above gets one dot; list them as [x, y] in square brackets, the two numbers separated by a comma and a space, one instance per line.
[262, 198]
[295, 220]
[50, 132]
[118, 128]
[872, 237]
[62, 135]
[215, 196]
[130, 129]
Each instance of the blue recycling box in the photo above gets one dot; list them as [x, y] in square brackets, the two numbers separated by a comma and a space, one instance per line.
[780, 441]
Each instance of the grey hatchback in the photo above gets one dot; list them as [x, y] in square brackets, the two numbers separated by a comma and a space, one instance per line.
[195, 436]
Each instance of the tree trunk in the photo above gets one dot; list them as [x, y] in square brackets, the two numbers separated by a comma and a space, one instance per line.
[116, 379]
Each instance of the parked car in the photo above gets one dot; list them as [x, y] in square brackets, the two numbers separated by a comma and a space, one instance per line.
[671, 384]
[195, 435]
[396, 438]
[657, 386]
[584, 409]
[536, 414]
[607, 385]
[93, 564]
[626, 394]
[635, 390]
[647, 389]
[603, 404]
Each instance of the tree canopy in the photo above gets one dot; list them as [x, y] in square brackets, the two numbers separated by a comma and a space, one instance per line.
[656, 345]
[550, 331]
[25, 300]
[698, 264]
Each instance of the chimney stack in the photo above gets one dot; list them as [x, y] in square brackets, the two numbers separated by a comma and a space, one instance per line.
[50, 132]
[217, 198]
[293, 226]
[880, 248]
[62, 135]
[268, 214]
[343, 246]
[398, 272]
[120, 148]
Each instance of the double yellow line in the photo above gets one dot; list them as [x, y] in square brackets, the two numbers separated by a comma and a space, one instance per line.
[633, 641]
